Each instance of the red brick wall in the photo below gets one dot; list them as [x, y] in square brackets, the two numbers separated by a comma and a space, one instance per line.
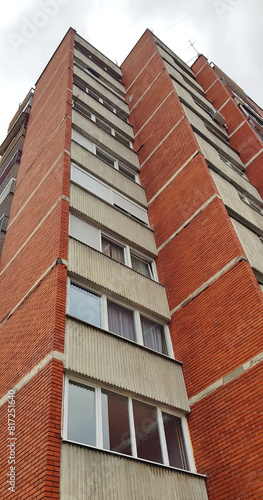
[245, 140]
[33, 280]
[227, 438]
[38, 430]
[220, 329]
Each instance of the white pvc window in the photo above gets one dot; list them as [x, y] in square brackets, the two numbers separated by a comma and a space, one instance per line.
[98, 310]
[93, 237]
[95, 186]
[111, 421]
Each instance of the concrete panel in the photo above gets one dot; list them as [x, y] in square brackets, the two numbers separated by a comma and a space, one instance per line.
[117, 279]
[105, 140]
[252, 245]
[88, 62]
[97, 53]
[110, 218]
[111, 359]
[113, 98]
[99, 110]
[110, 175]
[231, 199]
[97, 475]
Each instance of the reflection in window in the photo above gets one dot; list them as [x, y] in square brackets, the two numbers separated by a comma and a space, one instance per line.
[175, 444]
[81, 414]
[115, 418]
[85, 305]
[153, 335]
[146, 431]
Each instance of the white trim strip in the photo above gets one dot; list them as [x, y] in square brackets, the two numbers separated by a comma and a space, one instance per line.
[140, 72]
[59, 356]
[163, 140]
[32, 288]
[38, 186]
[209, 282]
[207, 90]
[239, 126]
[240, 370]
[35, 230]
[142, 96]
[173, 176]
[187, 221]
[155, 111]
[223, 105]
[200, 69]
[254, 157]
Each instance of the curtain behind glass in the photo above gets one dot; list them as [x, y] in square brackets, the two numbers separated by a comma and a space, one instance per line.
[153, 335]
[121, 321]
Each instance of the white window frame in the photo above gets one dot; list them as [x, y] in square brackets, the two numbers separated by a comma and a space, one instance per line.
[99, 427]
[136, 318]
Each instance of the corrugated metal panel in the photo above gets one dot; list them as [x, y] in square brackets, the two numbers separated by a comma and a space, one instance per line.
[88, 62]
[117, 278]
[251, 244]
[116, 361]
[98, 54]
[97, 110]
[110, 175]
[113, 98]
[106, 140]
[94, 475]
[110, 218]
[231, 199]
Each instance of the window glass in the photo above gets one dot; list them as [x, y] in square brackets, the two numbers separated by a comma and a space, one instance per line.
[121, 320]
[140, 266]
[103, 125]
[103, 156]
[122, 139]
[127, 172]
[146, 431]
[85, 305]
[114, 251]
[81, 414]
[174, 440]
[153, 335]
[115, 419]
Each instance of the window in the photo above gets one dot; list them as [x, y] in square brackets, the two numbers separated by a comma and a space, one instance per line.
[85, 305]
[141, 266]
[113, 250]
[99, 311]
[110, 421]
[153, 335]
[231, 165]
[117, 250]
[257, 206]
[105, 157]
[120, 320]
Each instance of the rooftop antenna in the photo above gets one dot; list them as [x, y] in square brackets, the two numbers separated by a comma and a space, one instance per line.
[192, 45]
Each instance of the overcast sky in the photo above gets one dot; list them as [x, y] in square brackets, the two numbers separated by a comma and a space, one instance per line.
[227, 32]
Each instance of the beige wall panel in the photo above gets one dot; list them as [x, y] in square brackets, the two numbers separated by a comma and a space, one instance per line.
[204, 116]
[211, 155]
[96, 475]
[97, 53]
[98, 109]
[110, 359]
[108, 217]
[165, 51]
[231, 199]
[105, 140]
[251, 244]
[117, 278]
[88, 62]
[108, 174]
[113, 98]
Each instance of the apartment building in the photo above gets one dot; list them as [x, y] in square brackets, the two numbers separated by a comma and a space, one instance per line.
[133, 243]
